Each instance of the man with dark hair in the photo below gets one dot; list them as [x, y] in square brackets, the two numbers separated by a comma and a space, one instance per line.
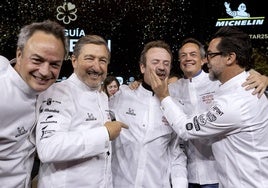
[237, 121]
[74, 129]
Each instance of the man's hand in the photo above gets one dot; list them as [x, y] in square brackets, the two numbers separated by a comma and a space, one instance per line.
[114, 128]
[134, 85]
[160, 87]
[257, 81]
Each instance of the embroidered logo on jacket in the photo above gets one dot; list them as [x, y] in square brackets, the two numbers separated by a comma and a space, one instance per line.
[21, 131]
[49, 101]
[164, 121]
[201, 120]
[131, 112]
[47, 120]
[46, 133]
[207, 98]
[90, 117]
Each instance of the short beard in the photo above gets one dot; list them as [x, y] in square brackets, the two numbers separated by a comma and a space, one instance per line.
[212, 76]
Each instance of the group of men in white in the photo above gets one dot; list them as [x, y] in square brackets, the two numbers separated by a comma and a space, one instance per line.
[206, 129]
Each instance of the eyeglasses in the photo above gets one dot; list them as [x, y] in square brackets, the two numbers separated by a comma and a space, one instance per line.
[210, 55]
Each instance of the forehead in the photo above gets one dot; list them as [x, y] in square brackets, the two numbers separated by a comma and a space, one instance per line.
[45, 44]
[158, 54]
[213, 44]
[94, 49]
[113, 83]
[44, 39]
[189, 47]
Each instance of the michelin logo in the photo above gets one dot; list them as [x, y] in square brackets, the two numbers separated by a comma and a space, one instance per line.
[240, 13]
[240, 17]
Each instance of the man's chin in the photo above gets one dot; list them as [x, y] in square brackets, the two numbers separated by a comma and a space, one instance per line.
[212, 77]
[40, 87]
[94, 86]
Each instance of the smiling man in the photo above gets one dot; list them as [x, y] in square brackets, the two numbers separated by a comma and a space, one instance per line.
[41, 49]
[74, 128]
[236, 122]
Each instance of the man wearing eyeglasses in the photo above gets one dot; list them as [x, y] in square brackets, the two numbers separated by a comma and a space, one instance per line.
[197, 96]
[237, 121]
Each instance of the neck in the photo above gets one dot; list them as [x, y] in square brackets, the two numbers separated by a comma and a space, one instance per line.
[229, 73]
[192, 75]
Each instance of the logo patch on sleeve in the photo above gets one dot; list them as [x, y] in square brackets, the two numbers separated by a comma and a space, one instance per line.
[211, 117]
[196, 124]
[189, 126]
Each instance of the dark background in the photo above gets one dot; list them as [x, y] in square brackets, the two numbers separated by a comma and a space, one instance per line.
[129, 24]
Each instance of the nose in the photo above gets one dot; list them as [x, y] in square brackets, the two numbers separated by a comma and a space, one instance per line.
[161, 66]
[97, 65]
[188, 57]
[44, 69]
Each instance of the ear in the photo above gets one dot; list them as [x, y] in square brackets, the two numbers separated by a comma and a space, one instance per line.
[18, 56]
[203, 61]
[74, 61]
[231, 58]
[142, 68]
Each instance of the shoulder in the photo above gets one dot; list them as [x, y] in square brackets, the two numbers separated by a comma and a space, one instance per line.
[58, 88]
[4, 63]
[3, 60]
[175, 84]
[124, 87]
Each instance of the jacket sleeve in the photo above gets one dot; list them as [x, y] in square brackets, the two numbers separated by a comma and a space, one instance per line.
[221, 119]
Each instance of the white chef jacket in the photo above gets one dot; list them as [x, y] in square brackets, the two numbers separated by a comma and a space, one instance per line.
[238, 123]
[17, 118]
[141, 157]
[72, 141]
[196, 95]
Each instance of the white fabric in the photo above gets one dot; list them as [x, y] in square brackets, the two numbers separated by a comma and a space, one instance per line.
[17, 118]
[147, 154]
[3, 64]
[196, 95]
[238, 123]
[72, 141]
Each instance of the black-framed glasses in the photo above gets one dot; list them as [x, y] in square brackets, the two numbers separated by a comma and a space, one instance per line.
[210, 55]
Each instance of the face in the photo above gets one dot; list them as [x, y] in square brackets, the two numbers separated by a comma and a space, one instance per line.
[216, 62]
[190, 59]
[112, 88]
[40, 61]
[159, 60]
[91, 65]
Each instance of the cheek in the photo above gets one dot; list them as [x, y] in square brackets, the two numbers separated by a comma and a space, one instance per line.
[55, 72]
[104, 67]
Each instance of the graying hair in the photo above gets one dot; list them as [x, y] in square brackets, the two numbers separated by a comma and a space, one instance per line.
[90, 39]
[199, 44]
[46, 26]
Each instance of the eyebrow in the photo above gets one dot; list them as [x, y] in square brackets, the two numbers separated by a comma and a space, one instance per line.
[94, 56]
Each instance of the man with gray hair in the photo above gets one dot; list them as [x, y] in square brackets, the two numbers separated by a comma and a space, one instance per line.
[41, 49]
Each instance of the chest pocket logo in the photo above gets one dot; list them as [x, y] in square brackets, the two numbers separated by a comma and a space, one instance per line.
[90, 117]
